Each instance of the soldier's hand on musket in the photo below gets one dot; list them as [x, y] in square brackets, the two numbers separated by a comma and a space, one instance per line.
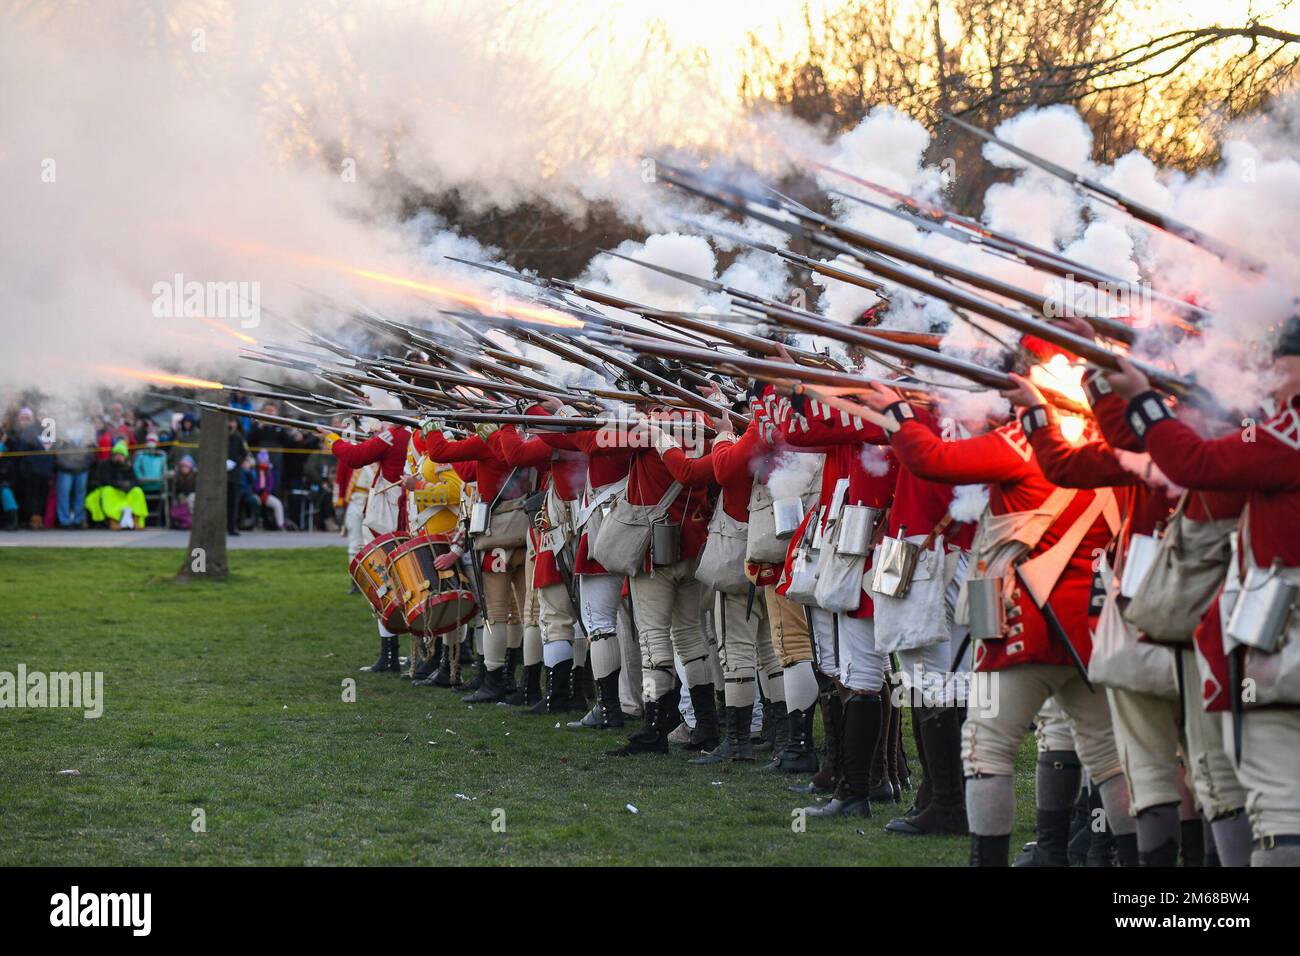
[711, 392]
[879, 396]
[1080, 327]
[551, 404]
[1128, 381]
[1025, 394]
[784, 386]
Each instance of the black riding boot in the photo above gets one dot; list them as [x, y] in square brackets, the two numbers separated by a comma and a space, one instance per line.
[825, 779]
[706, 735]
[738, 745]
[492, 689]
[882, 789]
[1192, 843]
[799, 755]
[946, 811]
[480, 668]
[581, 688]
[388, 660]
[1101, 842]
[776, 720]
[607, 712]
[530, 688]
[558, 684]
[863, 728]
[1058, 772]
[924, 791]
[989, 850]
[652, 738]
[514, 696]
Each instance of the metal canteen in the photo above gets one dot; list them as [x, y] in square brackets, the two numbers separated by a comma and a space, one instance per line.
[1259, 618]
[787, 513]
[479, 517]
[857, 523]
[988, 614]
[893, 567]
[665, 543]
[1138, 559]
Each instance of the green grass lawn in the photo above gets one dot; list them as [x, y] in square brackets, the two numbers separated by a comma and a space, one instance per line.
[228, 697]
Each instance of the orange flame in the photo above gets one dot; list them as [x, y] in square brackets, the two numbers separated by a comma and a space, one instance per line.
[160, 377]
[519, 310]
[1059, 375]
[233, 333]
[442, 289]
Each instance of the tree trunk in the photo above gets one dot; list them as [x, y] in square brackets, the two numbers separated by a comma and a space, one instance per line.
[206, 556]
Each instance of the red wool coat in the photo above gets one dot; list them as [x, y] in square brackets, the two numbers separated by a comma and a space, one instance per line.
[1004, 460]
[606, 464]
[848, 444]
[388, 448]
[1266, 470]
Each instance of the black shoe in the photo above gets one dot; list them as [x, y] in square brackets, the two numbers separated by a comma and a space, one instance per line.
[652, 738]
[479, 669]
[423, 670]
[492, 690]
[388, 660]
[1126, 849]
[581, 689]
[705, 736]
[530, 688]
[989, 850]
[738, 744]
[559, 682]
[798, 755]
[940, 729]
[862, 728]
[354, 589]
[1052, 846]
[441, 676]
[776, 729]
[514, 693]
[607, 713]
[1164, 855]
[839, 806]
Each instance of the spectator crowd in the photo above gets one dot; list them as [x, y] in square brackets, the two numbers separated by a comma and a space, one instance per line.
[122, 469]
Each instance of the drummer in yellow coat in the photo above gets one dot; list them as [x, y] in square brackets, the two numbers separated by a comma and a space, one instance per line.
[434, 491]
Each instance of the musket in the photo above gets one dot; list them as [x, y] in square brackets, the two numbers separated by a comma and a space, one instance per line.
[1137, 210]
[935, 287]
[694, 399]
[892, 335]
[484, 364]
[279, 396]
[390, 386]
[768, 370]
[288, 422]
[1028, 256]
[474, 381]
[932, 212]
[487, 346]
[549, 422]
[1042, 304]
